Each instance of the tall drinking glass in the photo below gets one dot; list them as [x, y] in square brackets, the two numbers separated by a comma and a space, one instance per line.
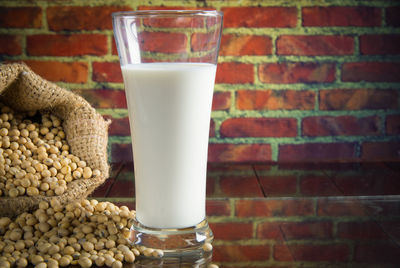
[168, 61]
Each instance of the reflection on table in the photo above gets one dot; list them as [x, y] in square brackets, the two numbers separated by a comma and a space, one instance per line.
[292, 215]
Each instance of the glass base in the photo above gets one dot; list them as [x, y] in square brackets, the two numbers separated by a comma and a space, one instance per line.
[173, 242]
[197, 261]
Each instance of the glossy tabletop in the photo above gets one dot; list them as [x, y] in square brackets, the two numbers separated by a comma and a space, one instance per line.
[292, 215]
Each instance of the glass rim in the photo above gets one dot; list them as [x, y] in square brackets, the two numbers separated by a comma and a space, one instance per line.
[167, 13]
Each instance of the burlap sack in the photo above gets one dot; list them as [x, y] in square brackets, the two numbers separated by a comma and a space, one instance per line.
[85, 129]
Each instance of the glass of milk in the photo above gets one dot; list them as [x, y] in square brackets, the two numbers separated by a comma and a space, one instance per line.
[168, 61]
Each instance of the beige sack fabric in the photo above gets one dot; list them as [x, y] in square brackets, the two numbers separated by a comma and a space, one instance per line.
[85, 129]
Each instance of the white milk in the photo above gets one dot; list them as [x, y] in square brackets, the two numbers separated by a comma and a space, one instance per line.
[169, 110]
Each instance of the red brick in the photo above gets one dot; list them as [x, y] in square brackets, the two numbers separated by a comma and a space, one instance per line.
[380, 151]
[103, 98]
[360, 231]
[204, 41]
[210, 185]
[232, 231]
[314, 45]
[122, 189]
[317, 166]
[233, 168]
[81, 17]
[392, 16]
[72, 72]
[119, 127]
[312, 185]
[234, 73]
[282, 253]
[258, 17]
[10, 45]
[121, 153]
[225, 152]
[375, 44]
[107, 72]
[368, 184]
[66, 45]
[103, 189]
[307, 230]
[393, 124]
[371, 72]
[270, 230]
[240, 186]
[20, 17]
[334, 208]
[276, 208]
[317, 152]
[114, 50]
[341, 16]
[234, 253]
[163, 42]
[279, 185]
[218, 208]
[275, 100]
[240, 45]
[358, 99]
[295, 72]
[259, 127]
[340, 126]
[314, 253]
[377, 253]
[212, 128]
[221, 101]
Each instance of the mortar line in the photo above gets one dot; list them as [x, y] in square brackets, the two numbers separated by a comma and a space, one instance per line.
[316, 100]
[109, 45]
[45, 25]
[383, 18]
[274, 39]
[299, 16]
[233, 208]
[298, 186]
[233, 98]
[23, 45]
[299, 121]
[382, 124]
[274, 150]
[357, 149]
[255, 60]
[357, 48]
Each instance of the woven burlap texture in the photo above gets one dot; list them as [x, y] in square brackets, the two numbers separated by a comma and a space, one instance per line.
[86, 130]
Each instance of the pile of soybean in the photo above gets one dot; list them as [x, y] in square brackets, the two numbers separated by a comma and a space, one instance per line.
[35, 157]
[82, 233]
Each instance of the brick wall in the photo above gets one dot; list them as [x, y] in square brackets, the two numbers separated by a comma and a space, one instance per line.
[302, 80]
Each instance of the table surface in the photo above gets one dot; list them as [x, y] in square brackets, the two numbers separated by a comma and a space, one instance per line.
[293, 214]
